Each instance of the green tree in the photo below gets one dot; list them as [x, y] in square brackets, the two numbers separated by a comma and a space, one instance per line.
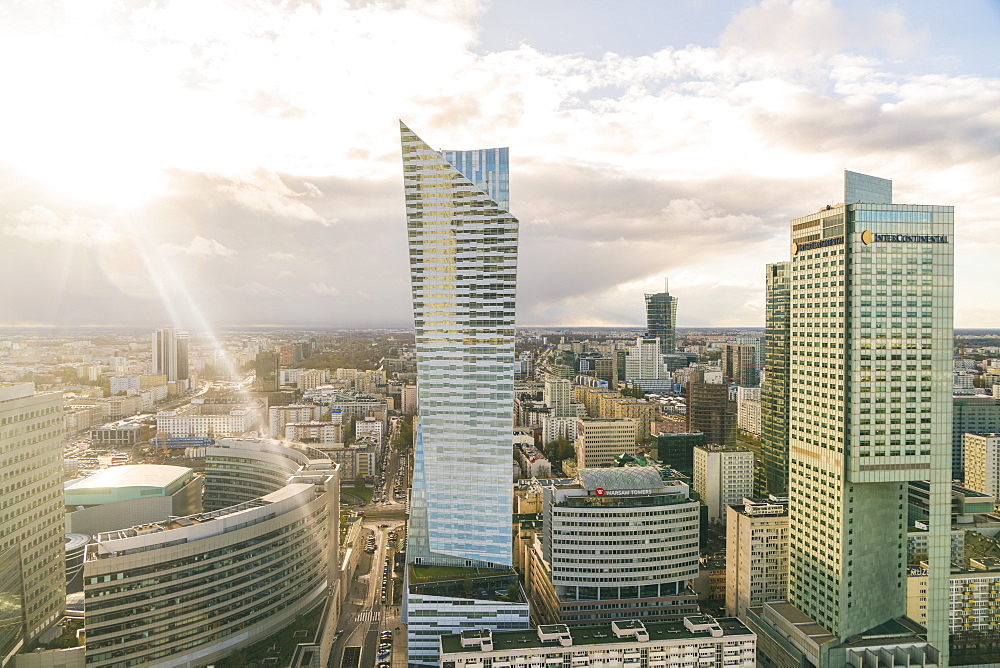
[558, 450]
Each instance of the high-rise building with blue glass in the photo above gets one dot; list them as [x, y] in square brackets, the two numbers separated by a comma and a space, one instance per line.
[463, 266]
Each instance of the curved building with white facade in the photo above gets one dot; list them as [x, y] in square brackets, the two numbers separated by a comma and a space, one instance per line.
[191, 590]
[620, 539]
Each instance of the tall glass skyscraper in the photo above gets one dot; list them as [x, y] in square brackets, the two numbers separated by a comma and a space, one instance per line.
[661, 320]
[869, 408]
[463, 265]
[774, 388]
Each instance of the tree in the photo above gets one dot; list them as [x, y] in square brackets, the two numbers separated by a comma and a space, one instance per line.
[558, 450]
[359, 483]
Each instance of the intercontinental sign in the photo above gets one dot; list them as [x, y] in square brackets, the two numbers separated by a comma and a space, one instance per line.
[869, 237]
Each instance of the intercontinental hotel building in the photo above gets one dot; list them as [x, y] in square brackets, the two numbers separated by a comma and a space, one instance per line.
[870, 287]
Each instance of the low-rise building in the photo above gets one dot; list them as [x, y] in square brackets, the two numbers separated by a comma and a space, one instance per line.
[696, 640]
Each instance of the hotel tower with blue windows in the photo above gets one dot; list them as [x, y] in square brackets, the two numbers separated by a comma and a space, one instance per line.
[463, 266]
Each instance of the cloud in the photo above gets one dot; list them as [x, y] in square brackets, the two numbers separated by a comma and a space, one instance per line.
[324, 290]
[43, 225]
[255, 290]
[279, 257]
[200, 247]
[265, 193]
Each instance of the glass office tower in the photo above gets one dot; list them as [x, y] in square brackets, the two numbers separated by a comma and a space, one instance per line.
[661, 320]
[463, 265]
[774, 388]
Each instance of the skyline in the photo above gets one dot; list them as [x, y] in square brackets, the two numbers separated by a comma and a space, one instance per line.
[222, 170]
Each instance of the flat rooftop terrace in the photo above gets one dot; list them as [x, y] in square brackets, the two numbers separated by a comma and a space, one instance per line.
[599, 634]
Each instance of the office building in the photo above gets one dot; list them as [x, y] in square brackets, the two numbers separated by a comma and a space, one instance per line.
[267, 367]
[711, 412]
[870, 344]
[591, 560]
[697, 640]
[191, 590]
[120, 497]
[463, 264]
[677, 449]
[756, 554]
[661, 320]
[774, 388]
[723, 475]
[971, 415]
[600, 440]
[741, 364]
[32, 521]
[170, 355]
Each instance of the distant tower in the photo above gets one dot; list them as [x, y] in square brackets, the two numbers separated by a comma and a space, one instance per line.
[661, 319]
[170, 354]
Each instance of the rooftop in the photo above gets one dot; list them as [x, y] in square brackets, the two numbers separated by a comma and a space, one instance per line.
[624, 478]
[599, 634]
[132, 475]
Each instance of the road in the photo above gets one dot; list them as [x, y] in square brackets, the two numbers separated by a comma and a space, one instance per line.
[364, 614]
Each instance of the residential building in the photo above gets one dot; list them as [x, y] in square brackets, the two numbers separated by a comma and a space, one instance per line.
[323, 434]
[661, 319]
[756, 554]
[463, 265]
[356, 460]
[308, 379]
[971, 415]
[697, 640]
[870, 342]
[371, 427]
[589, 560]
[279, 416]
[643, 360]
[600, 440]
[409, 398]
[982, 463]
[974, 609]
[32, 521]
[192, 423]
[723, 475]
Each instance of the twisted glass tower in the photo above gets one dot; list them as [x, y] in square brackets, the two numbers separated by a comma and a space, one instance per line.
[463, 265]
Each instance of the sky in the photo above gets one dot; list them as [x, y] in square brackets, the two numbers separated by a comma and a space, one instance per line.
[210, 163]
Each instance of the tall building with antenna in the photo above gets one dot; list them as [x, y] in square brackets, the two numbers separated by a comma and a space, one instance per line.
[463, 266]
[661, 319]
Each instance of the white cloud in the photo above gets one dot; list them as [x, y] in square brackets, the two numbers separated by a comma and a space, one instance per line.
[324, 290]
[200, 247]
[43, 225]
[279, 257]
[265, 193]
